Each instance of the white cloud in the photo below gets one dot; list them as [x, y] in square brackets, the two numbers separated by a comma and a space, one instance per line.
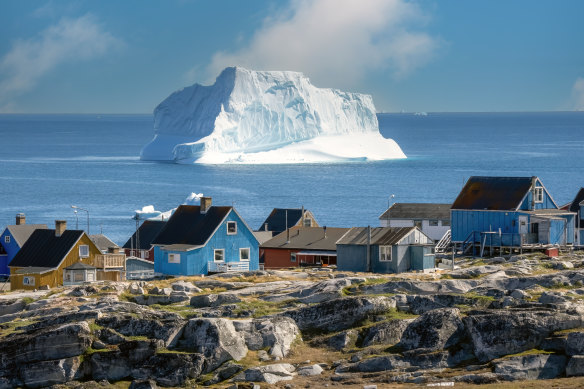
[67, 41]
[578, 94]
[337, 42]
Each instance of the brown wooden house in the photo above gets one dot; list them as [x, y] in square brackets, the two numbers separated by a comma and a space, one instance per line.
[40, 262]
[302, 246]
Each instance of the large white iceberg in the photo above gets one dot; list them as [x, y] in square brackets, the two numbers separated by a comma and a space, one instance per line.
[266, 117]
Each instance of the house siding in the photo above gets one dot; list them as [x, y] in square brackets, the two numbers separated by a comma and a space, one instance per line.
[54, 278]
[194, 262]
[547, 203]
[464, 222]
[11, 249]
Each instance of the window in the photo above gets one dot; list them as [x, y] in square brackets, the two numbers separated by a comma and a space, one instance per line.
[538, 194]
[83, 251]
[90, 277]
[173, 258]
[219, 255]
[7, 239]
[384, 253]
[231, 228]
[292, 257]
[418, 223]
[308, 222]
[244, 254]
[147, 254]
[78, 276]
[28, 281]
[433, 223]
[446, 222]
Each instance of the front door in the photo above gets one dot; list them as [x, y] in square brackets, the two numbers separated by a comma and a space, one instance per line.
[523, 227]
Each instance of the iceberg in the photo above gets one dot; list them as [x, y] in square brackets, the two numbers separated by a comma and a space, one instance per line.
[262, 117]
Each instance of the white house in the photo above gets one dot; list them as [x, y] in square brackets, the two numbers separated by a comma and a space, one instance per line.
[432, 219]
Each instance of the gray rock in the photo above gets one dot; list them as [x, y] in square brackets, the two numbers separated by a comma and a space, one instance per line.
[519, 294]
[478, 379]
[342, 340]
[109, 336]
[530, 367]
[60, 342]
[264, 356]
[552, 298]
[134, 288]
[434, 330]
[160, 291]
[182, 286]
[170, 369]
[216, 339]
[563, 265]
[388, 333]
[143, 384]
[214, 284]
[498, 333]
[152, 324]
[98, 345]
[268, 373]
[339, 314]
[86, 290]
[213, 300]
[322, 291]
[224, 372]
[278, 333]
[575, 343]
[310, 370]
[575, 366]
[46, 373]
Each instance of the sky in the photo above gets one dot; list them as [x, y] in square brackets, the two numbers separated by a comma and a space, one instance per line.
[114, 56]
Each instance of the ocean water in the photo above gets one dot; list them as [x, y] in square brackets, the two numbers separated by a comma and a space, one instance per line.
[50, 162]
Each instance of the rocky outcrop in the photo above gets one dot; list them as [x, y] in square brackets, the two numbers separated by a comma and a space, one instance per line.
[213, 300]
[434, 330]
[340, 313]
[268, 373]
[216, 339]
[389, 332]
[275, 333]
[531, 367]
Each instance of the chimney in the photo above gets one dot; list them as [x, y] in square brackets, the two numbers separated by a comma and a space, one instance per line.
[20, 219]
[265, 226]
[60, 227]
[205, 204]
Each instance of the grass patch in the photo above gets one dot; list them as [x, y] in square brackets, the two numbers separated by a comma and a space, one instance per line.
[13, 327]
[260, 308]
[185, 311]
[164, 350]
[27, 300]
[569, 331]
[528, 352]
[94, 327]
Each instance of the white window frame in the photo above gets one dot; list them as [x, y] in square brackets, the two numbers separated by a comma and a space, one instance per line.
[307, 222]
[235, 228]
[384, 252]
[7, 239]
[293, 257]
[81, 254]
[538, 195]
[243, 250]
[27, 280]
[433, 223]
[217, 251]
[173, 258]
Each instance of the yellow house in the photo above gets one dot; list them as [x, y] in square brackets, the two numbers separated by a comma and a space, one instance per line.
[40, 262]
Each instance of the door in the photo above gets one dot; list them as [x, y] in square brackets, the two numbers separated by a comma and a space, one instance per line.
[523, 227]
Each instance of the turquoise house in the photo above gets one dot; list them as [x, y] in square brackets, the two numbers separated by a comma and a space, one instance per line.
[12, 239]
[509, 212]
[204, 239]
[385, 250]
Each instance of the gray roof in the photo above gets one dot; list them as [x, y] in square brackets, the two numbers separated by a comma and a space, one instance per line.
[417, 211]
[102, 242]
[22, 232]
[34, 270]
[307, 238]
[379, 235]
[263, 236]
[80, 266]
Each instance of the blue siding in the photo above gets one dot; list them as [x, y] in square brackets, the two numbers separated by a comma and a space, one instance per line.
[11, 249]
[546, 204]
[354, 258]
[194, 262]
[135, 265]
[351, 257]
[465, 222]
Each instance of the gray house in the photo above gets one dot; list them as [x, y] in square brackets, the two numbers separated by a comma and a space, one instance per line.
[384, 250]
[432, 219]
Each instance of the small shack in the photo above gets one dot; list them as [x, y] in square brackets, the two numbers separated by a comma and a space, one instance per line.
[384, 250]
[79, 273]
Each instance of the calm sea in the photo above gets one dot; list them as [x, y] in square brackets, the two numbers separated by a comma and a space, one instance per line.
[50, 162]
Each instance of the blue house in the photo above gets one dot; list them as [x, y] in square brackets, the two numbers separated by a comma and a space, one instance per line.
[385, 250]
[577, 206]
[12, 239]
[197, 240]
[509, 212]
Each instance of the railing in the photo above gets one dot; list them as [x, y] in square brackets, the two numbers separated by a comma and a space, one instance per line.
[140, 275]
[105, 261]
[443, 244]
[225, 267]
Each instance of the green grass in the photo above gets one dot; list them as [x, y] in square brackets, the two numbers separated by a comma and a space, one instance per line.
[13, 327]
[186, 311]
[528, 352]
[27, 300]
[260, 308]
[94, 327]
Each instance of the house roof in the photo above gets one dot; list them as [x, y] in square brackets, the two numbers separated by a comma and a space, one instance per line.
[34, 270]
[417, 211]
[147, 233]
[80, 266]
[22, 232]
[102, 242]
[307, 238]
[493, 193]
[379, 235]
[188, 226]
[578, 200]
[276, 221]
[44, 249]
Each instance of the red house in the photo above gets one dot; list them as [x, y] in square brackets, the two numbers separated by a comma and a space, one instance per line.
[302, 246]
